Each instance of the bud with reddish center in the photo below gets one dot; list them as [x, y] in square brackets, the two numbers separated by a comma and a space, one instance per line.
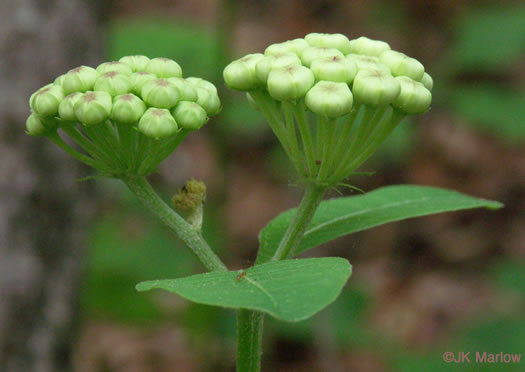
[93, 108]
[157, 123]
[160, 93]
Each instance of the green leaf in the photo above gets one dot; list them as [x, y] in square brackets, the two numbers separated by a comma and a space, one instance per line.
[290, 290]
[342, 216]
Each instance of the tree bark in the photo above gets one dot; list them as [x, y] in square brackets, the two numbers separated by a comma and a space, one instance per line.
[43, 210]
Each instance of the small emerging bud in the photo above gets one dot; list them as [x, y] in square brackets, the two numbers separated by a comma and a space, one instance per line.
[375, 87]
[189, 115]
[80, 79]
[138, 79]
[35, 127]
[402, 65]
[266, 64]
[414, 98]
[160, 93]
[191, 196]
[66, 109]
[114, 66]
[334, 69]
[45, 101]
[240, 74]
[157, 123]
[187, 90]
[427, 81]
[311, 53]
[93, 107]
[337, 41]
[137, 63]
[127, 108]
[367, 62]
[329, 99]
[209, 101]
[164, 68]
[114, 83]
[369, 47]
[201, 83]
[290, 82]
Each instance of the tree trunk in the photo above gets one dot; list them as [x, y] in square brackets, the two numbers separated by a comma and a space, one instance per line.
[43, 210]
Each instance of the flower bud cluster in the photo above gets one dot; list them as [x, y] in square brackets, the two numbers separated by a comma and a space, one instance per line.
[374, 74]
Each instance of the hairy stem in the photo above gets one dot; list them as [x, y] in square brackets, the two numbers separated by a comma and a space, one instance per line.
[249, 340]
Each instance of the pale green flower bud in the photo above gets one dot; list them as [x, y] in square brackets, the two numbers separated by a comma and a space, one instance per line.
[329, 99]
[427, 81]
[127, 108]
[93, 107]
[80, 79]
[114, 66]
[113, 82]
[160, 93]
[157, 123]
[45, 101]
[35, 127]
[240, 74]
[209, 101]
[367, 63]
[414, 98]
[189, 115]
[375, 87]
[138, 79]
[290, 82]
[311, 53]
[201, 83]
[164, 68]
[369, 47]
[337, 41]
[402, 65]
[137, 63]
[280, 48]
[334, 69]
[187, 91]
[266, 64]
[299, 45]
[59, 80]
[66, 109]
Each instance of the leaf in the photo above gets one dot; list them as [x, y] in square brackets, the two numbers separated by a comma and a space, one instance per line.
[290, 290]
[342, 216]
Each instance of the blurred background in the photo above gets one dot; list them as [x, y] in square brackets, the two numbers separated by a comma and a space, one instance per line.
[71, 252]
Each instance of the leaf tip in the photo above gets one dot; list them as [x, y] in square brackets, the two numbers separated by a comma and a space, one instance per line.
[146, 286]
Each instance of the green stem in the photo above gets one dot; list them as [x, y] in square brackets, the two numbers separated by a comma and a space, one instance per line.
[249, 340]
[143, 190]
[328, 148]
[292, 137]
[313, 195]
[306, 136]
[55, 138]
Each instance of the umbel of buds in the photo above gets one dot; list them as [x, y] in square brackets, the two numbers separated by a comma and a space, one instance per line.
[331, 101]
[124, 116]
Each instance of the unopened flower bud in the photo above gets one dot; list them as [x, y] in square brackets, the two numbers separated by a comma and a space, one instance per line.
[369, 47]
[93, 107]
[114, 66]
[66, 109]
[187, 90]
[113, 82]
[45, 101]
[189, 115]
[334, 69]
[80, 79]
[337, 41]
[375, 87]
[59, 80]
[299, 45]
[367, 62]
[280, 48]
[201, 83]
[209, 101]
[414, 98]
[329, 99]
[127, 108]
[137, 63]
[138, 79]
[157, 123]
[164, 68]
[402, 65]
[311, 53]
[160, 93]
[266, 64]
[290, 82]
[427, 81]
[240, 74]
[35, 126]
